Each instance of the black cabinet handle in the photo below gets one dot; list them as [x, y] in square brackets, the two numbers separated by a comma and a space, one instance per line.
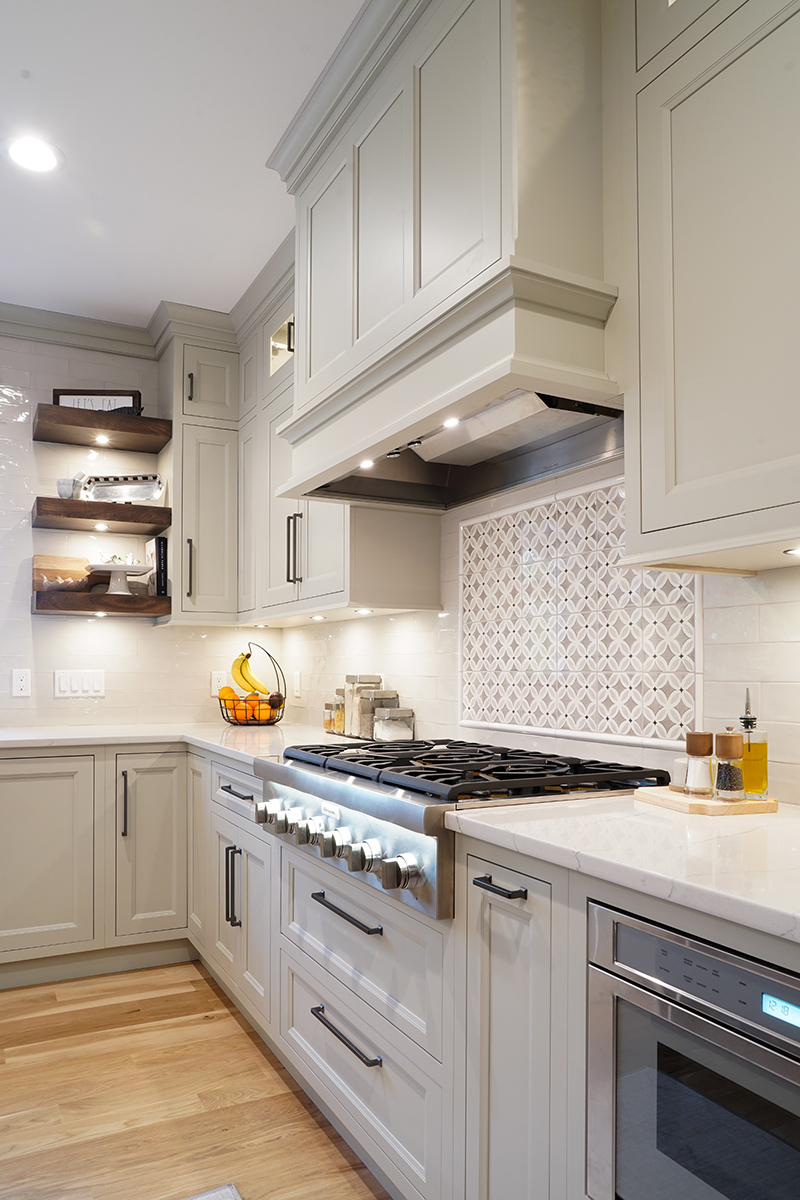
[290, 336]
[319, 1012]
[235, 921]
[485, 882]
[320, 899]
[289, 528]
[124, 803]
[297, 517]
[190, 544]
[226, 787]
[191, 386]
[228, 852]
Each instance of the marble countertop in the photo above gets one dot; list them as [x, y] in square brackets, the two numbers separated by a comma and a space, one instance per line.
[743, 869]
[240, 742]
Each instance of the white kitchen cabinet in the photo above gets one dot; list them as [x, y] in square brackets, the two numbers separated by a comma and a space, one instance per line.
[210, 383]
[250, 528]
[150, 843]
[508, 1034]
[240, 936]
[719, 188]
[249, 370]
[47, 883]
[660, 22]
[208, 575]
[198, 845]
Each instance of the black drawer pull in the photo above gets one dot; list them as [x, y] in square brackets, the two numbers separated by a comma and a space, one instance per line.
[226, 787]
[124, 803]
[320, 899]
[485, 882]
[319, 1012]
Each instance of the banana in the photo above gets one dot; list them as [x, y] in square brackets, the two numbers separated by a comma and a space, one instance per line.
[238, 673]
[255, 683]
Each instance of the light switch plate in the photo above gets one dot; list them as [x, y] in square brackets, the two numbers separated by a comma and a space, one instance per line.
[298, 689]
[219, 679]
[69, 685]
[20, 681]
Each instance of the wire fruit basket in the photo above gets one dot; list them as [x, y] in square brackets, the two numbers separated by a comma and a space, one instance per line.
[256, 709]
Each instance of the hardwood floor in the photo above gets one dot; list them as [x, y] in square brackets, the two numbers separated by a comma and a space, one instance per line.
[150, 1085]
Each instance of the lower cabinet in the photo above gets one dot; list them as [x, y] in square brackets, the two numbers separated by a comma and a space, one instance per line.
[198, 844]
[47, 813]
[240, 936]
[508, 1034]
[150, 843]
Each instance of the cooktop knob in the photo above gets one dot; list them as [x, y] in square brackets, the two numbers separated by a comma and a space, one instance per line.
[267, 811]
[399, 872]
[332, 843]
[307, 831]
[363, 856]
[286, 821]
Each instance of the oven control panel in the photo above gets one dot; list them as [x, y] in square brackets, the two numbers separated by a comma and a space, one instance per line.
[689, 970]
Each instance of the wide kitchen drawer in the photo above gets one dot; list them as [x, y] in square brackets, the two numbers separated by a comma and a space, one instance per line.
[236, 788]
[398, 971]
[395, 1102]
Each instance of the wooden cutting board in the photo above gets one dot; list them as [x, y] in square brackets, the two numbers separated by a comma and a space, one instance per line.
[664, 797]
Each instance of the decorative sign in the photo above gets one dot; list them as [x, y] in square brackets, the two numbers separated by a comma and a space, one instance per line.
[99, 401]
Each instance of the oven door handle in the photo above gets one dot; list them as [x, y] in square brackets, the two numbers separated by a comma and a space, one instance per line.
[485, 882]
[318, 1011]
[320, 899]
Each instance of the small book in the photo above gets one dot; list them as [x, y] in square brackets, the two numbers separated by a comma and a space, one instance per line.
[156, 558]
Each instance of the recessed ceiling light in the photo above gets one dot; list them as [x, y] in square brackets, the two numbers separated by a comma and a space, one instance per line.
[33, 154]
[796, 551]
[100, 527]
[451, 423]
[363, 612]
[412, 445]
[317, 618]
[366, 464]
[393, 453]
[102, 439]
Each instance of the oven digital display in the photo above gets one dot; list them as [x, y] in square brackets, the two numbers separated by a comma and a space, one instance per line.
[782, 1010]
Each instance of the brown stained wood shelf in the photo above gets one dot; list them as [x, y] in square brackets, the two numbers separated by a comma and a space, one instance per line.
[81, 427]
[50, 512]
[94, 602]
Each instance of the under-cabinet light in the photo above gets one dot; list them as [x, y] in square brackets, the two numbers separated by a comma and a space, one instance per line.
[100, 527]
[261, 627]
[451, 422]
[444, 614]
[317, 618]
[366, 464]
[101, 614]
[796, 551]
[102, 439]
[363, 612]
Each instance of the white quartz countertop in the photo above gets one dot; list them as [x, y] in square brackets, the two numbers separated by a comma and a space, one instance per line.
[744, 869]
[241, 742]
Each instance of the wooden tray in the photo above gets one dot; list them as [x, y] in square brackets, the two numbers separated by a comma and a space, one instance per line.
[664, 797]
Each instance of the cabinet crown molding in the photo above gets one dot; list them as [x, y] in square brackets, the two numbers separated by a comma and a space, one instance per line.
[84, 333]
[374, 36]
[270, 288]
[184, 320]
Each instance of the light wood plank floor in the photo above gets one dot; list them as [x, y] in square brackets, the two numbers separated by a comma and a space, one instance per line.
[150, 1085]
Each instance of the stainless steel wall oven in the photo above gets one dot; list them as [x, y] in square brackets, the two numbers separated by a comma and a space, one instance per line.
[693, 1068]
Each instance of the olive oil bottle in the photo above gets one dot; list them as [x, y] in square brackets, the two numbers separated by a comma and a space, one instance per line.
[754, 754]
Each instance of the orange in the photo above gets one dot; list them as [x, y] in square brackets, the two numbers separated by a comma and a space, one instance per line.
[252, 705]
[240, 711]
[227, 693]
[264, 711]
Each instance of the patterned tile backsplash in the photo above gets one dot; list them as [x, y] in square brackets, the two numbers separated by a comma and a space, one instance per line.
[557, 635]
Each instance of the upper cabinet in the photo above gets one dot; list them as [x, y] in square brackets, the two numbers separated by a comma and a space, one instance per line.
[449, 225]
[718, 462]
[211, 383]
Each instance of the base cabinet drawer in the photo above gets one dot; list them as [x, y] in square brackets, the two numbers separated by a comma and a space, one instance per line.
[388, 958]
[378, 1081]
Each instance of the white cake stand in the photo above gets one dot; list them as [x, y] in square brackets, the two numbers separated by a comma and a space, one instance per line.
[119, 575]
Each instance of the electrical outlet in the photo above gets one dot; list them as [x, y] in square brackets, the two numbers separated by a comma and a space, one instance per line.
[69, 685]
[20, 681]
[298, 691]
[219, 679]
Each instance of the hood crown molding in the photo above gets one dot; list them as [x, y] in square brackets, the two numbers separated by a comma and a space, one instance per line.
[377, 31]
[184, 320]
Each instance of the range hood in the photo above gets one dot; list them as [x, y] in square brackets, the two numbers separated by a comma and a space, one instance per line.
[525, 437]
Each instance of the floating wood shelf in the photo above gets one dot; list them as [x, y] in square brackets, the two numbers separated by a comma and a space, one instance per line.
[82, 427]
[50, 512]
[95, 602]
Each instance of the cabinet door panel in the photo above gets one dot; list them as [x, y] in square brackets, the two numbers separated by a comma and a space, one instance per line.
[254, 868]
[151, 844]
[46, 852]
[381, 219]
[213, 389]
[719, 263]
[275, 587]
[199, 847]
[222, 942]
[508, 1037]
[659, 22]
[248, 513]
[322, 548]
[209, 520]
[459, 148]
[329, 242]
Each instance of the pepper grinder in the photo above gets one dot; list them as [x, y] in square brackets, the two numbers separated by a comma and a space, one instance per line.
[729, 784]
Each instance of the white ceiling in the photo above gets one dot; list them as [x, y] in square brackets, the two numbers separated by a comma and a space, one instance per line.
[166, 111]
